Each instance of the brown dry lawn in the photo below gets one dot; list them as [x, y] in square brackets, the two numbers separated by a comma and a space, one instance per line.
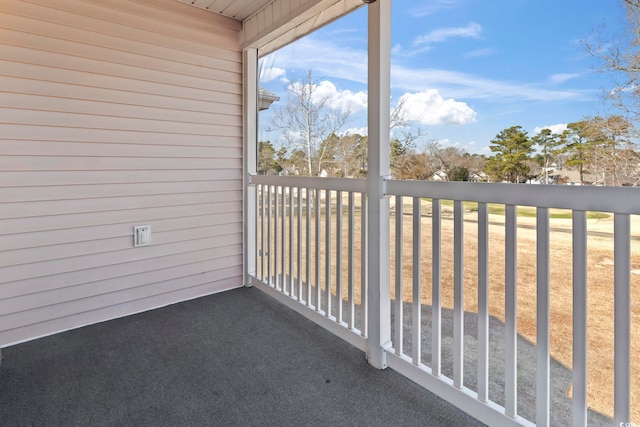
[600, 292]
[600, 287]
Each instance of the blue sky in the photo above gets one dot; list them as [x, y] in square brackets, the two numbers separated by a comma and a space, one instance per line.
[466, 69]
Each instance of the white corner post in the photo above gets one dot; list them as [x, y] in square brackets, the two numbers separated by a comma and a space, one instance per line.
[250, 166]
[379, 324]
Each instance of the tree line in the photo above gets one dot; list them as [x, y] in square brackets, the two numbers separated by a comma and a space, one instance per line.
[600, 149]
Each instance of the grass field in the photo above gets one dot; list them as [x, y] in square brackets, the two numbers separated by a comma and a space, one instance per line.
[524, 211]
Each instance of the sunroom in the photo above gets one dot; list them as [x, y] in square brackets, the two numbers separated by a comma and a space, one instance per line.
[128, 182]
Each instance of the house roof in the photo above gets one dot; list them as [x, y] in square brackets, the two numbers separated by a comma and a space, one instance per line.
[266, 98]
[574, 176]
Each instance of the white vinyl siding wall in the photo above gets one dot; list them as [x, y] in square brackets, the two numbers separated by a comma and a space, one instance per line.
[115, 113]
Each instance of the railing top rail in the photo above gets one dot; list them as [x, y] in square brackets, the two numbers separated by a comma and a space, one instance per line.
[587, 198]
[336, 184]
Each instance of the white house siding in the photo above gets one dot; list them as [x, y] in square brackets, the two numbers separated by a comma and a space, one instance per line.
[115, 113]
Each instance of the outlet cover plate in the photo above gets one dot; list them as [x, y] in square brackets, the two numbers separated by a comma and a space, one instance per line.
[141, 235]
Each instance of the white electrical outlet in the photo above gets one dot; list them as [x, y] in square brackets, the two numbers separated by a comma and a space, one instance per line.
[141, 235]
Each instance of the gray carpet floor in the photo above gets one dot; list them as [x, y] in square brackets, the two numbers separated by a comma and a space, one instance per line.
[233, 359]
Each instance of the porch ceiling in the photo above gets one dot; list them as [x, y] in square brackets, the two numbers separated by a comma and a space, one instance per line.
[270, 24]
[236, 9]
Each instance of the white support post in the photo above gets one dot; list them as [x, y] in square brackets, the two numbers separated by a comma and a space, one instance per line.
[250, 154]
[379, 325]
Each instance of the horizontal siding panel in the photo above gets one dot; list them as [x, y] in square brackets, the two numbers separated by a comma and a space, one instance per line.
[101, 287]
[72, 192]
[112, 58]
[101, 108]
[176, 14]
[73, 120]
[94, 219]
[80, 149]
[146, 18]
[96, 78]
[88, 93]
[88, 135]
[35, 163]
[100, 246]
[15, 241]
[53, 178]
[124, 271]
[88, 65]
[27, 209]
[49, 268]
[47, 22]
[16, 335]
[152, 39]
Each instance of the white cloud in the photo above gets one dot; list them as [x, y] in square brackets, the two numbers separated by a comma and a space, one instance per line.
[396, 49]
[557, 128]
[430, 108]
[463, 85]
[434, 6]
[446, 142]
[341, 100]
[325, 57]
[440, 35]
[271, 73]
[562, 77]
[331, 59]
[479, 53]
[364, 131]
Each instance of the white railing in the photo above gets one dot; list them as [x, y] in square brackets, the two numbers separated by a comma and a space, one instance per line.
[311, 249]
[474, 396]
[311, 254]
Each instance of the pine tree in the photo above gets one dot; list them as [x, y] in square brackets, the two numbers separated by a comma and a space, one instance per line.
[513, 148]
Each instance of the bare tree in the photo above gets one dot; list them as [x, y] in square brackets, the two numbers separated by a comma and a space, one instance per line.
[307, 120]
[620, 58]
[446, 158]
[407, 162]
[351, 155]
[613, 150]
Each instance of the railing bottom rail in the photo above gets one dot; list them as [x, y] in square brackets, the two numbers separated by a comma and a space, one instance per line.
[489, 412]
[330, 323]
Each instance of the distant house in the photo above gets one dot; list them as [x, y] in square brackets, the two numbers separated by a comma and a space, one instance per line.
[570, 177]
[478, 177]
[440, 175]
